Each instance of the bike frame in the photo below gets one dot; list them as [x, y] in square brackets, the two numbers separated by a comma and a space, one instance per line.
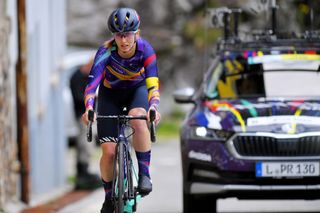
[123, 190]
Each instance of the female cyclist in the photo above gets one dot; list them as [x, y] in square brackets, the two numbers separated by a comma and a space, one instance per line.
[125, 70]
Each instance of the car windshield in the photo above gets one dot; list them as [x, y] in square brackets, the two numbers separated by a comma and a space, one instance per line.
[292, 83]
[238, 79]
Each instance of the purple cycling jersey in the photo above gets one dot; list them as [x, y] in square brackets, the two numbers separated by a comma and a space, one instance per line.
[123, 73]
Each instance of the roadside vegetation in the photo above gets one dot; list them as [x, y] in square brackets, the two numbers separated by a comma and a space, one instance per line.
[170, 125]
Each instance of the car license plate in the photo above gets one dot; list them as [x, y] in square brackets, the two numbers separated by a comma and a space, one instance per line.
[287, 169]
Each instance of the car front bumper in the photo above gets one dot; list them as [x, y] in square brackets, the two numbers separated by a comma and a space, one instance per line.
[224, 175]
[207, 188]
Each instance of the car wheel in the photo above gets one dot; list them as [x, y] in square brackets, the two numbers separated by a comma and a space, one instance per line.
[199, 203]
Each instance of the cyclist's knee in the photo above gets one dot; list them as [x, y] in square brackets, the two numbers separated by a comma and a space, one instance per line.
[138, 125]
[108, 151]
[137, 111]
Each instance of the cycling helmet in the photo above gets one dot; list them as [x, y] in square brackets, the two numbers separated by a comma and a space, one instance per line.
[123, 20]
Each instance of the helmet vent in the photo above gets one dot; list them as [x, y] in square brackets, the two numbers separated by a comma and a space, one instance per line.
[127, 15]
[116, 20]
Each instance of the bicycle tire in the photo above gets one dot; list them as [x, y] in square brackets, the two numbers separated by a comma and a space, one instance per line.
[120, 178]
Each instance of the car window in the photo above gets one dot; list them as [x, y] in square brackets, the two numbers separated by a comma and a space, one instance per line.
[211, 89]
[231, 79]
[264, 77]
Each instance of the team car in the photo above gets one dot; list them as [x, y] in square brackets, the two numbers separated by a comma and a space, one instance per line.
[254, 129]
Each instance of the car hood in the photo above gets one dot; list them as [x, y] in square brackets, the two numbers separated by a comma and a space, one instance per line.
[260, 115]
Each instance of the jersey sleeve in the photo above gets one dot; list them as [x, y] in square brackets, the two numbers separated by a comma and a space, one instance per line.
[151, 70]
[96, 75]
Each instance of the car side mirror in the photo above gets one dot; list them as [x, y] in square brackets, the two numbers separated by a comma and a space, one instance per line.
[184, 95]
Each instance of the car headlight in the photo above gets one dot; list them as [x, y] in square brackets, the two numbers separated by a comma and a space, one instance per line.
[200, 132]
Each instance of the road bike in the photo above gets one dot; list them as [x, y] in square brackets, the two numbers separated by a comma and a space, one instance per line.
[125, 195]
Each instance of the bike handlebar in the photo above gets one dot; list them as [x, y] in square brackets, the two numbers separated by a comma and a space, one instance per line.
[152, 116]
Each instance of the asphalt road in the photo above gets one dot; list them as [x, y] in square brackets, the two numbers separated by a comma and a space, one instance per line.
[167, 194]
[166, 177]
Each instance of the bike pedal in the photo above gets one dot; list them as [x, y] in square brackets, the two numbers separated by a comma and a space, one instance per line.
[128, 208]
[131, 205]
[138, 198]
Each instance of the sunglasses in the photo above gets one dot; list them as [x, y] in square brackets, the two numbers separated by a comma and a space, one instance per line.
[128, 35]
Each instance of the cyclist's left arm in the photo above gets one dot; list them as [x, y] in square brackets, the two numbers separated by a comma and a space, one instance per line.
[152, 80]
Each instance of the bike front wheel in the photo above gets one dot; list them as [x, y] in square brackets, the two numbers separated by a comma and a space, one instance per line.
[119, 189]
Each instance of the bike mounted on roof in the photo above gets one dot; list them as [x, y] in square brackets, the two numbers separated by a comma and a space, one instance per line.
[228, 18]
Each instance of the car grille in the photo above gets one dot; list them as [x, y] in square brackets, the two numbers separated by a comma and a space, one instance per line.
[253, 145]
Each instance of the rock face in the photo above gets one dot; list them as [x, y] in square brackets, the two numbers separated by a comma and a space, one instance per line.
[8, 146]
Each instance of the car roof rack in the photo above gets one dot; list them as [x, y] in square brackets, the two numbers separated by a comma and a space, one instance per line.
[224, 17]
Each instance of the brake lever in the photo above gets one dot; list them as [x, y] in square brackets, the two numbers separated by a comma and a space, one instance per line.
[152, 117]
[89, 128]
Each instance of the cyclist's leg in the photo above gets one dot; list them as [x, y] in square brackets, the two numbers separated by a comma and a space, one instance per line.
[106, 161]
[139, 106]
[141, 138]
[107, 134]
[107, 130]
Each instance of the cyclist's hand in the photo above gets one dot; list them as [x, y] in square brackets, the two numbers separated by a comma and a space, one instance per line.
[158, 115]
[85, 118]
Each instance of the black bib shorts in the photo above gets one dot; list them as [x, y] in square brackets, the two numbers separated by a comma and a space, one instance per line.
[112, 102]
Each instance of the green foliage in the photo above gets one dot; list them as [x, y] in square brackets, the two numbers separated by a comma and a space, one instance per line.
[168, 128]
[170, 125]
[177, 114]
[195, 31]
[71, 179]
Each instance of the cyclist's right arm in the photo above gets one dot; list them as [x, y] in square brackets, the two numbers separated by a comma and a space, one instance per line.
[95, 77]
